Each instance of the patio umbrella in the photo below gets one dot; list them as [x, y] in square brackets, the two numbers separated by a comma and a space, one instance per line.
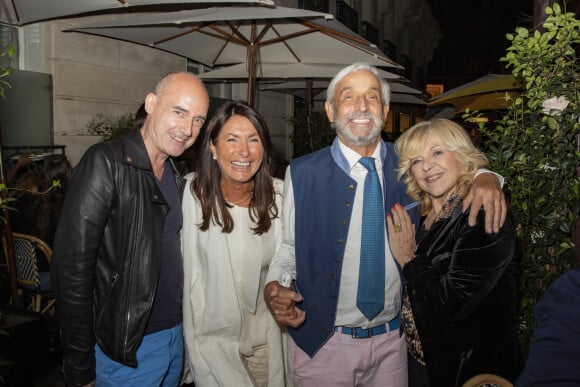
[400, 93]
[406, 99]
[224, 36]
[306, 71]
[488, 101]
[20, 12]
[290, 86]
[485, 93]
[286, 71]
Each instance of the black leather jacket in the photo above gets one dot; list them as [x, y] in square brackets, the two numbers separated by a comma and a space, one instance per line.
[106, 258]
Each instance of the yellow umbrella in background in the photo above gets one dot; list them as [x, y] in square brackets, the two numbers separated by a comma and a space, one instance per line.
[489, 101]
[485, 93]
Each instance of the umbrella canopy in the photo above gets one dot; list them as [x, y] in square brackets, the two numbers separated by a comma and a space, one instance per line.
[485, 93]
[306, 71]
[229, 35]
[284, 71]
[21, 12]
[406, 99]
[400, 93]
[290, 86]
[396, 98]
[487, 101]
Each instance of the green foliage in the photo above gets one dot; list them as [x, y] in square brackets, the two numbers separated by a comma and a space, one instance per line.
[5, 71]
[534, 146]
[4, 202]
[311, 133]
[110, 127]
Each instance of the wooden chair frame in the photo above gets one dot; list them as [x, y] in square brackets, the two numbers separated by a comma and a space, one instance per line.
[25, 247]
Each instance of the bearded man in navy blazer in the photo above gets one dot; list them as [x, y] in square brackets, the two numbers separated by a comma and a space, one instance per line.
[312, 282]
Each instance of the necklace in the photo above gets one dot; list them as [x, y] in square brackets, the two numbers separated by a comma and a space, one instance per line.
[241, 200]
[448, 208]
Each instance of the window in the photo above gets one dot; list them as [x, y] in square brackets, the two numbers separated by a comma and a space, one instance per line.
[346, 15]
[369, 32]
[314, 5]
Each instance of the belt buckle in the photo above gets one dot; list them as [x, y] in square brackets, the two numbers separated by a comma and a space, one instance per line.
[355, 335]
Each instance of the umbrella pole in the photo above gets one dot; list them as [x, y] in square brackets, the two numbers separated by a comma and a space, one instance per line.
[251, 80]
[309, 97]
[252, 54]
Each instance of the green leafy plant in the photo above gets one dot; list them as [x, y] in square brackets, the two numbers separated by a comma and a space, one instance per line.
[535, 147]
[4, 202]
[310, 132]
[5, 71]
[110, 127]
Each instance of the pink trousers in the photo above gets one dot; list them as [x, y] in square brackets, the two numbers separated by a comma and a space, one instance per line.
[343, 361]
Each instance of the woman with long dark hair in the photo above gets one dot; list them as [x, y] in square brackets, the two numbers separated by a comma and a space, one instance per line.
[231, 230]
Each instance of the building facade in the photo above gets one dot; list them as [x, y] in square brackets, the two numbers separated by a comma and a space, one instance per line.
[93, 75]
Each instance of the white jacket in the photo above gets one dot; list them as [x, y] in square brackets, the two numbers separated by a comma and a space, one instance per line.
[215, 334]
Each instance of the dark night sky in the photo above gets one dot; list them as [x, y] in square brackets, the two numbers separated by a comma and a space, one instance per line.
[474, 37]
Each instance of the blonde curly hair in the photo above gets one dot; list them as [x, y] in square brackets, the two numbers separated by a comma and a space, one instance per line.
[451, 137]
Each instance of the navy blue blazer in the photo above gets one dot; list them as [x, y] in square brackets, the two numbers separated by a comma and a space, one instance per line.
[555, 352]
[323, 197]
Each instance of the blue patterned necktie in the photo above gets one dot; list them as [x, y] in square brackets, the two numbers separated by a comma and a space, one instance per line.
[371, 280]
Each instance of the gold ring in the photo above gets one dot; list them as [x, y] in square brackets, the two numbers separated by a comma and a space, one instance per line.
[398, 228]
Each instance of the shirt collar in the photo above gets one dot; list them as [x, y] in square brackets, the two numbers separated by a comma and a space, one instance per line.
[353, 157]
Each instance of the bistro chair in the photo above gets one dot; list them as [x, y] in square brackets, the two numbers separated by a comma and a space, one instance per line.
[487, 380]
[26, 247]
